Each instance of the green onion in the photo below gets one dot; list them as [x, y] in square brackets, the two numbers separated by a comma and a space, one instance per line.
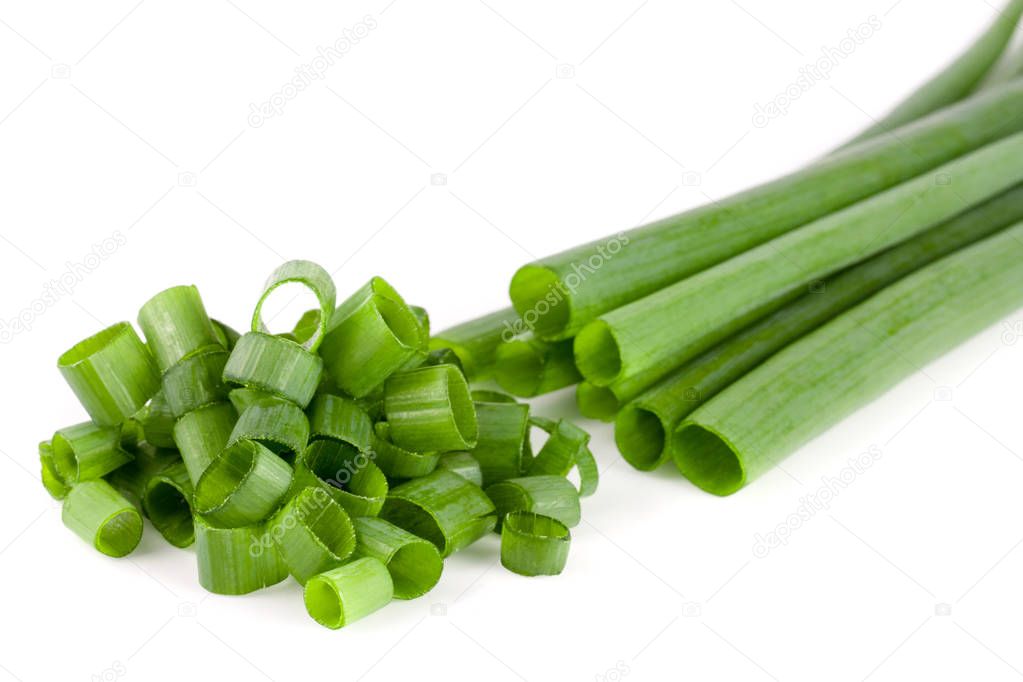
[372, 335]
[101, 516]
[415, 564]
[167, 500]
[52, 480]
[347, 474]
[643, 425]
[444, 356]
[131, 479]
[529, 367]
[226, 336]
[196, 380]
[313, 534]
[396, 462]
[533, 544]
[443, 508]
[559, 294]
[112, 373]
[503, 432]
[423, 318]
[552, 496]
[463, 464]
[202, 434]
[430, 409]
[275, 365]
[475, 342]
[954, 82]
[279, 425]
[342, 419]
[157, 422]
[87, 451]
[176, 324]
[317, 280]
[597, 402]
[307, 327]
[754, 423]
[236, 560]
[661, 331]
[242, 486]
[565, 447]
[347, 593]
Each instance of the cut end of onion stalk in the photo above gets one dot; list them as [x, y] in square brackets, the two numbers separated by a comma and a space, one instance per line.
[707, 459]
[597, 354]
[641, 437]
[596, 402]
[539, 298]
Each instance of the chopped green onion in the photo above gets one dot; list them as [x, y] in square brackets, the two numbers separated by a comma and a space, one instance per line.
[102, 517]
[503, 432]
[202, 434]
[52, 480]
[483, 395]
[112, 373]
[429, 409]
[797, 393]
[276, 365]
[242, 486]
[444, 356]
[157, 422]
[347, 474]
[176, 324]
[347, 593]
[131, 479]
[566, 447]
[278, 424]
[552, 496]
[226, 336]
[663, 330]
[372, 335]
[475, 342]
[463, 464]
[443, 508]
[533, 544]
[423, 318]
[415, 564]
[342, 419]
[313, 533]
[397, 462]
[597, 402]
[167, 500]
[643, 427]
[529, 367]
[87, 451]
[236, 560]
[196, 380]
[307, 326]
[559, 294]
[317, 280]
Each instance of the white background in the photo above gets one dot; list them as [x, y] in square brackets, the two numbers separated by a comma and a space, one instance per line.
[442, 152]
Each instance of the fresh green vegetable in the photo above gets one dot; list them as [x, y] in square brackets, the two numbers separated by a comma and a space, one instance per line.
[415, 564]
[243, 485]
[52, 480]
[529, 367]
[565, 448]
[347, 593]
[236, 560]
[202, 434]
[664, 330]
[176, 324]
[276, 365]
[167, 500]
[345, 473]
[819, 379]
[475, 342]
[275, 423]
[552, 496]
[503, 431]
[533, 544]
[557, 295]
[342, 419]
[87, 451]
[157, 421]
[196, 381]
[101, 516]
[313, 533]
[642, 426]
[313, 277]
[462, 464]
[429, 409]
[397, 462]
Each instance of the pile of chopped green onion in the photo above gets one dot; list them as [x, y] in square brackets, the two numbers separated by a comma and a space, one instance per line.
[349, 453]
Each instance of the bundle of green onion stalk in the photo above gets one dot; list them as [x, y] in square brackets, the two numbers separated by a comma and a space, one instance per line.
[725, 337]
[345, 453]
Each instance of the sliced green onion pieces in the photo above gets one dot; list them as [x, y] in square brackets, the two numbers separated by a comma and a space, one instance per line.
[168, 503]
[317, 280]
[533, 544]
[202, 434]
[475, 342]
[565, 448]
[87, 451]
[530, 367]
[278, 424]
[176, 324]
[429, 409]
[52, 480]
[313, 533]
[236, 560]
[242, 486]
[443, 508]
[347, 593]
[102, 517]
[342, 419]
[415, 564]
[347, 474]
[552, 496]
[463, 464]
[276, 365]
[226, 336]
[397, 462]
[157, 422]
[112, 373]
[503, 431]
[196, 381]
